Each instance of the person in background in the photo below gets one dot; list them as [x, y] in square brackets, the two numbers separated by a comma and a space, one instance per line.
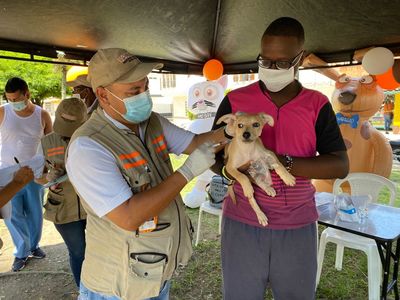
[21, 178]
[82, 90]
[23, 124]
[388, 113]
[63, 206]
[284, 253]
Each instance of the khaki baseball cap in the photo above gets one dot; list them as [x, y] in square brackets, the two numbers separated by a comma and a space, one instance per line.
[112, 65]
[71, 113]
[80, 80]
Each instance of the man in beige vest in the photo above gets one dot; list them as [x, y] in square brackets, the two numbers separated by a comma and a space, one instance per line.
[138, 233]
[63, 206]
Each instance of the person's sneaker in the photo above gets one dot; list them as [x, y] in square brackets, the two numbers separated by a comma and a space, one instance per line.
[37, 253]
[19, 264]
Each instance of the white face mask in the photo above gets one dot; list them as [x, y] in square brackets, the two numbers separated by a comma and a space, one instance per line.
[274, 79]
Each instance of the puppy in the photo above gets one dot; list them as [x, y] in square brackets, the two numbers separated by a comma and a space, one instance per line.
[246, 147]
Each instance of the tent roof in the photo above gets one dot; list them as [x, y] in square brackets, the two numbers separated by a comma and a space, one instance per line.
[185, 34]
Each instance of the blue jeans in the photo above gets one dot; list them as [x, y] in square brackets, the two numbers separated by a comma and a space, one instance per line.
[388, 121]
[73, 235]
[25, 224]
[86, 294]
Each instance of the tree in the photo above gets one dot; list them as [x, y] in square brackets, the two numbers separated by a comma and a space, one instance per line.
[44, 80]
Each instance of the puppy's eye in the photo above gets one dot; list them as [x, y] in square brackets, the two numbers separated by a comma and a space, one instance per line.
[240, 125]
[256, 124]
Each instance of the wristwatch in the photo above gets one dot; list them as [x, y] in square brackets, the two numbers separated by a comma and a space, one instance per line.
[288, 162]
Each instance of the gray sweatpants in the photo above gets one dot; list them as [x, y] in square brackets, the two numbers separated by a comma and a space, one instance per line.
[253, 256]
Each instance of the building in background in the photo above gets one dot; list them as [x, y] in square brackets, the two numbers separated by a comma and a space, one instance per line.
[170, 91]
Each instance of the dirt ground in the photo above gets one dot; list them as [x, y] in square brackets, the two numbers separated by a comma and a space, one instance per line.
[50, 278]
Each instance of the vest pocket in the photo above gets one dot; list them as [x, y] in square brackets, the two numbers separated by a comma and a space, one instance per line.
[148, 259]
[140, 183]
[52, 208]
[148, 265]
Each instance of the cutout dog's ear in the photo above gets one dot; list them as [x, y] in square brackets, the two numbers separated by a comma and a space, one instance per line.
[229, 119]
[266, 119]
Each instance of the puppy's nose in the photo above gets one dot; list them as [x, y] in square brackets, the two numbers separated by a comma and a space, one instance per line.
[246, 135]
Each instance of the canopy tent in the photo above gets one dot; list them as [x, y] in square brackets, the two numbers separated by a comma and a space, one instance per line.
[185, 34]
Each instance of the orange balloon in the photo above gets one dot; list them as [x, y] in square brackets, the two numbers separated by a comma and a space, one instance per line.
[213, 69]
[387, 81]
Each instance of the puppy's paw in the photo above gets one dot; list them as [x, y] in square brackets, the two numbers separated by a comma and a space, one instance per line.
[270, 191]
[262, 218]
[289, 179]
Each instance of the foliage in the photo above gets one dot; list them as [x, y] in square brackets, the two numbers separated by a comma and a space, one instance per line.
[44, 80]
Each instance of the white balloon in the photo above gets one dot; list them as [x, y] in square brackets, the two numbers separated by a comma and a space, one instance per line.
[378, 60]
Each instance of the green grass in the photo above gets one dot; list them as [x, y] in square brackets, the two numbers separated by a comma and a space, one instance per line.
[202, 279]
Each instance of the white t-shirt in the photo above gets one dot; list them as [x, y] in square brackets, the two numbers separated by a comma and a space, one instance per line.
[93, 170]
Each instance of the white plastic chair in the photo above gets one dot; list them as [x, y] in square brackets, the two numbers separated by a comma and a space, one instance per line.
[206, 207]
[360, 184]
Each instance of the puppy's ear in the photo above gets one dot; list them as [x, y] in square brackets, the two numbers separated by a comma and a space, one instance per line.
[266, 119]
[228, 119]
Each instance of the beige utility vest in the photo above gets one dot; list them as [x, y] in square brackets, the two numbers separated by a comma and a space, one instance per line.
[134, 265]
[63, 204]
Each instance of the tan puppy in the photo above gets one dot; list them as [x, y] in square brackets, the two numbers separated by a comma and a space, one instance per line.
[246, 147]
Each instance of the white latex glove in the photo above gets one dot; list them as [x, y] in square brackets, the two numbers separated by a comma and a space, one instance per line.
[200, 160]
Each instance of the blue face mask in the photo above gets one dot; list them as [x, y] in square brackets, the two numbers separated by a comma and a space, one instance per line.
[138, 107]
[19, 105]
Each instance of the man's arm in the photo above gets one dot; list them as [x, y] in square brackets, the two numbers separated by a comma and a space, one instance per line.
[214, 137]
[224, 109]
[126, 210]
[325, 166]
[1, 114]
[332, 161]
[145, 205]
[21, 178]
[47, 124]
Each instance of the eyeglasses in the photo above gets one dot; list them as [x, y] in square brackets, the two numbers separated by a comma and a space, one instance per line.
[79, 89]
[279, 64]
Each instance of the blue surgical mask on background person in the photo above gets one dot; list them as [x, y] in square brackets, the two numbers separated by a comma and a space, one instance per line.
[138, 107]
[18, 105]
[274, 79]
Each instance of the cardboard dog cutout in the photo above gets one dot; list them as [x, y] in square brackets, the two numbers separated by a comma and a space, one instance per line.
[203, 101]
[355, 101]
